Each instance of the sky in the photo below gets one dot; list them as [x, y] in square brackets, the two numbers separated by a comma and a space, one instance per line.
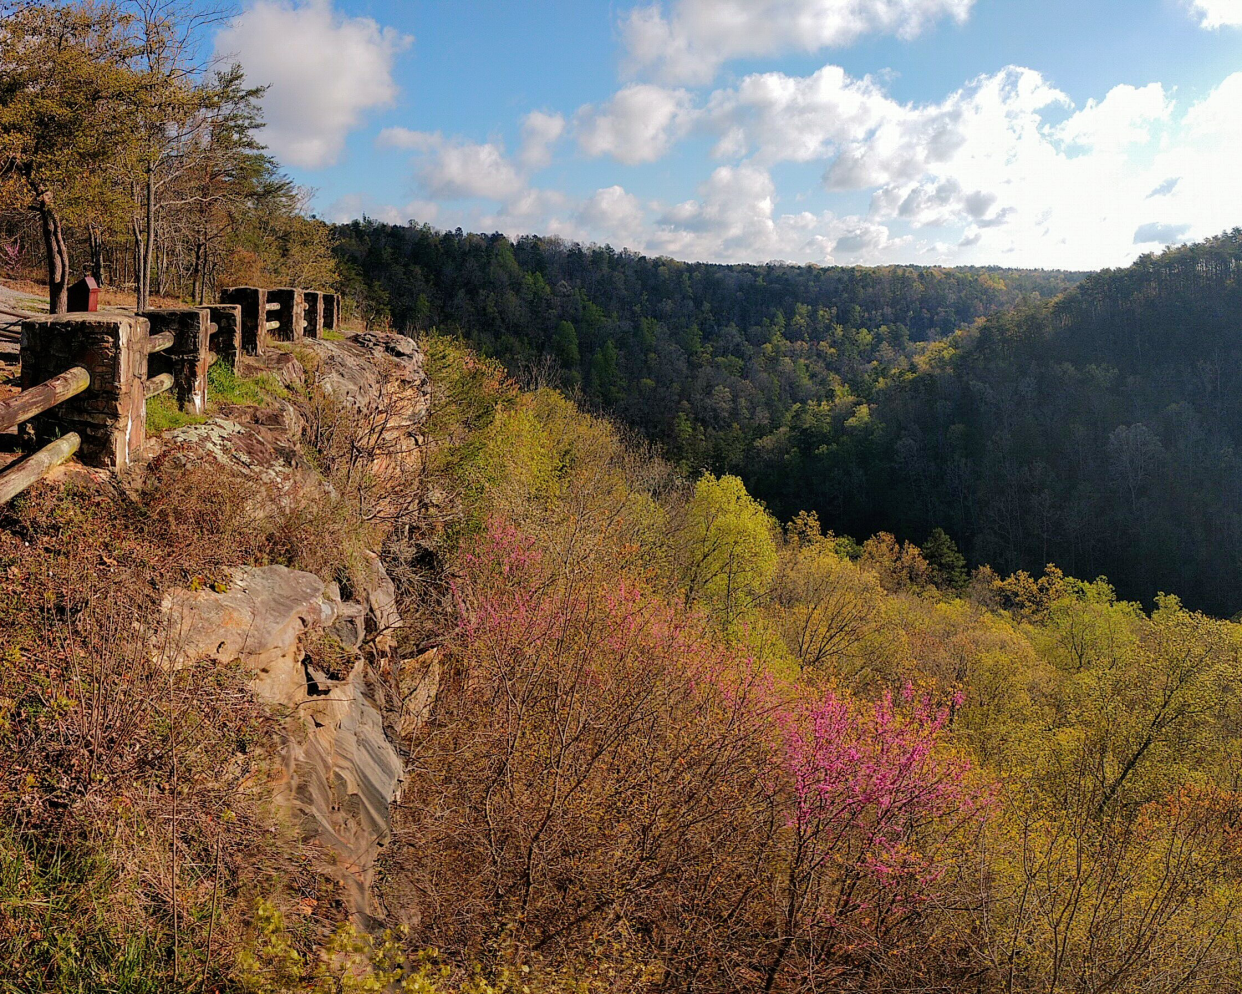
[1072, 134]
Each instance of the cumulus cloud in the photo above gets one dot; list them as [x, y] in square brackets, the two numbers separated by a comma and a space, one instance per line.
[735, 219]
[1004, 168]
[1218, 13]
[1124, 117]
[612, 214]
[540, 132]
[798, 119]
[638, 124]
[356, 205]
[864, 239]
[453, 168]
[323, 71]
[688, 41]
[989, 160]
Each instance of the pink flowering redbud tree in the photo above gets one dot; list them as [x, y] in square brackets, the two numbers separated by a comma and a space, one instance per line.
[879, 807]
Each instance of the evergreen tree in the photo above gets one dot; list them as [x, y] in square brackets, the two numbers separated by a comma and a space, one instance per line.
[947, 563]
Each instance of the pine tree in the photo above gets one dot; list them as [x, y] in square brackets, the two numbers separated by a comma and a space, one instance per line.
[947, 563]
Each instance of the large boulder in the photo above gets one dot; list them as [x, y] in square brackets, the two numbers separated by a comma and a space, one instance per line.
[340, 772]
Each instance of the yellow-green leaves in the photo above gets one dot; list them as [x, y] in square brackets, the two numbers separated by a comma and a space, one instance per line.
[727, 546]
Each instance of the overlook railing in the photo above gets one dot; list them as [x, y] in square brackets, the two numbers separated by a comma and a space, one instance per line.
[86, 377]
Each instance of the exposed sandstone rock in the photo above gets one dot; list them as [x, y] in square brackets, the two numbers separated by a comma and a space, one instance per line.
[398, 346]
[343, 777]
[341, 774]
[293, 632]
[380, 596]
[268, 454]
[374, 370]
[283, 366]
[258, 620]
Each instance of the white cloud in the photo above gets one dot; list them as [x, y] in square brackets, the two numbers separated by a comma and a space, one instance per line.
[1005, 168]
[1124, 117]
[356, 205]
[540, 131]
[987, 160]
[612, 214]
[691, 40]
[324, 72]
[982, 126]
[1218, 13]
[638, 124]
[466, 169]
[734, 219]
[793, 118]
[453, 168]
[411, 141]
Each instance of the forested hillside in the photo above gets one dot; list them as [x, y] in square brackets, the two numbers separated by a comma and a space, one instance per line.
[1096, 429]
[1102, 432]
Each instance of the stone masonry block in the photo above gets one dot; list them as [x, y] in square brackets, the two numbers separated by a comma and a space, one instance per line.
[314, 313]
[292, 313]
[189, 355]
[226, 339]
[253, 303]
[110, 416]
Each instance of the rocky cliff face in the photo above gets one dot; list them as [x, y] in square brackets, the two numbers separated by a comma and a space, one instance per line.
[320, 658]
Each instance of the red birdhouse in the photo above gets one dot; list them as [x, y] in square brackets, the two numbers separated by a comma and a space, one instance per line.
[84, 295]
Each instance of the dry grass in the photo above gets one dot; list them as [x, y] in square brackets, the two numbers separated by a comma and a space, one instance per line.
[135, 830]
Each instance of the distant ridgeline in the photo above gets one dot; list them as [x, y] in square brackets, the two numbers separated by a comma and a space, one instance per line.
[1098, 430]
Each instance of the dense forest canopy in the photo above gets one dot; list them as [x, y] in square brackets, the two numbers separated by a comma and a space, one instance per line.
[1036, 416]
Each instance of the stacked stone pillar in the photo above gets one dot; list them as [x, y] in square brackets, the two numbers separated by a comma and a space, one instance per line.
[314, 313]
[226, 340]
[189, 356]
[331, 311]
[253, 303]
[291, 317]
[110, 415]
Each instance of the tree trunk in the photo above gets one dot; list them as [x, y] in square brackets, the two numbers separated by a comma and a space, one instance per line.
[146, 245]
[57, 254]
[97, 253]
[200, 268]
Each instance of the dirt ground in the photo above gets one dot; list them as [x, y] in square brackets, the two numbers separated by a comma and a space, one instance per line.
[31, 295]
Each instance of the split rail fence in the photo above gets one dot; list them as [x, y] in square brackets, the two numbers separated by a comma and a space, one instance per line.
[86, 377]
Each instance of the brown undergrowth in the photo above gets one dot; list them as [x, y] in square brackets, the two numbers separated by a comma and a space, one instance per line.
[136, 836]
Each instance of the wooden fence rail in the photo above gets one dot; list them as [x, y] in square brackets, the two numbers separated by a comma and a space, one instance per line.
[29, 471]
[43, 397]
[157, 385]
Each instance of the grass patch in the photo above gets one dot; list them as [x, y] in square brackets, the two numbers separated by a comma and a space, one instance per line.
[333, 336]
[56, 930]
[163, 414]
[224, 386]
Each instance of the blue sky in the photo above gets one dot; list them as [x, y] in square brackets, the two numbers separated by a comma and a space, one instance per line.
[1016, 132]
